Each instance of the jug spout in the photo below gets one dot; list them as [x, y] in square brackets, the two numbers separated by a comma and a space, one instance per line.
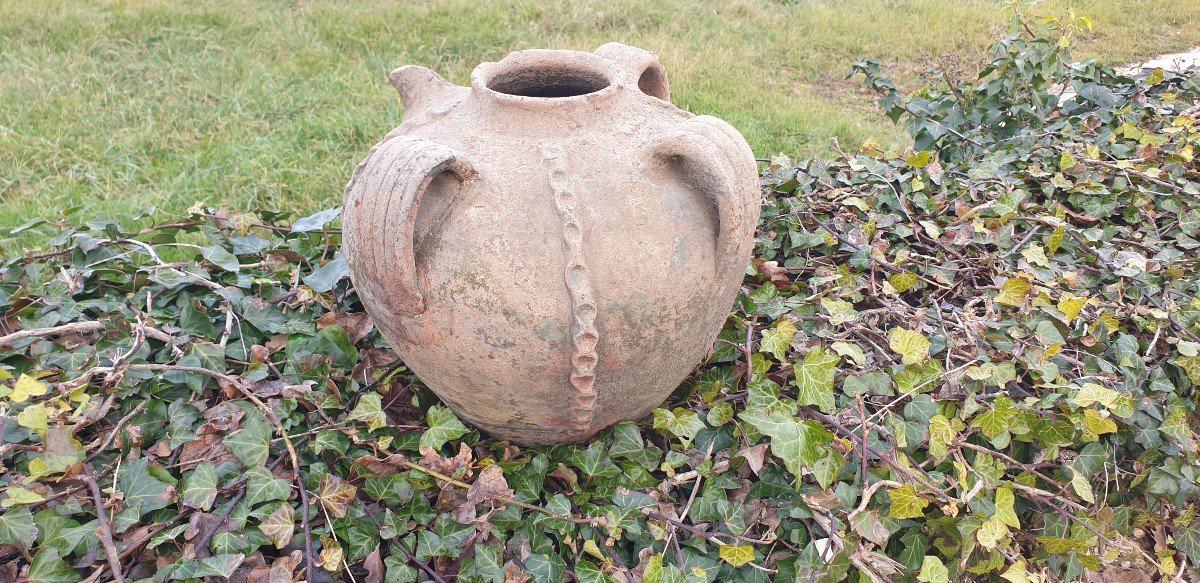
[421, 88]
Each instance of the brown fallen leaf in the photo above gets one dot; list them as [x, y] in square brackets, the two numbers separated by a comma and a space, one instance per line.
[448, 466]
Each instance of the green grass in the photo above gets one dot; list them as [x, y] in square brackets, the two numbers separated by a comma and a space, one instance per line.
[252, 104]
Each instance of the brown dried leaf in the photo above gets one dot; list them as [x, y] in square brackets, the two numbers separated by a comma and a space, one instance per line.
[449, 466]
[489, 486]
[755, 457]
[374, 566]
[283, 569]
[381, 467]
[357, 325]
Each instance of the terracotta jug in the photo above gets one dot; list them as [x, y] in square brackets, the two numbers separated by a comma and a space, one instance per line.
[554, 248]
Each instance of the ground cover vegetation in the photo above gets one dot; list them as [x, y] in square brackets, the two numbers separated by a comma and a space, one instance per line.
[116, 105]
[976, 360]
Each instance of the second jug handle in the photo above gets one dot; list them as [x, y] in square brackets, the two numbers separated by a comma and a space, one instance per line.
[380, 216]
[643, 69]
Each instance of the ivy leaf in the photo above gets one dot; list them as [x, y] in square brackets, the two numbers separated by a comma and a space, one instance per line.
[933, 571]
[17, 495]
[250, 442]
[796, 443]
[737, 555]
[1006, 507]
[142, 491]
[1066, 161]
[814, 378]
[1187, 540]
[1070, 306]
[221, 258]
[1016, 573]
[991, 532]
[778, 339]
[680, 422]
[1014, 292]
[906, 503]
[17, 527]
[48, 567]
[34, 417]
[1097, 423]
[911, 345]
[325, 277]
[840, 311]
[331, 556]
[902, 282]
[828, 468]
[996, 421]
[941, 435]
[1092, 393]
[316, 221]
[370, 411]
[1062, 546]
[720, 414]
[443, 426]
[336, 495]
[200, 487]
[545, 568]
[280, 525]
[26, 387]
[653, 572]
[1176, 426]
[1082, 487]
[261, 487]
[920, 159]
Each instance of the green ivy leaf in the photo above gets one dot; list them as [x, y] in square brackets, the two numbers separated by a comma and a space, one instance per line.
[142, 491]
[991, 532]
[912, 346]
[370, 411]
[221, 258]
[1082, 487]
[941, 435]
[778, 339]
[443, 426]
[17, 527]
[737, 555]
[261, 487]
[200, 487]
[250, 442]
[906, 503]
[933, 571]
[814, 378]
[796, 443]
[48, 567]
[1006, 510]
[680, 422]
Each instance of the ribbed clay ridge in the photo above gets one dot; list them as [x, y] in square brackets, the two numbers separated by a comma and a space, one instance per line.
[583, 304]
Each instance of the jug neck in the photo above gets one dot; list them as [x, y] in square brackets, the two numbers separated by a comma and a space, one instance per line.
[550, 81]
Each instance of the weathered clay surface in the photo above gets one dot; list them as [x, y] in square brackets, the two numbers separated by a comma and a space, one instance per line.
[553, 249]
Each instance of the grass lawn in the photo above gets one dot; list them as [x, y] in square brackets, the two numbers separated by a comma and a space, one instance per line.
[249, 104]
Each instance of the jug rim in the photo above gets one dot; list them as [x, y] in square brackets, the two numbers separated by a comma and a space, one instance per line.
[548, 78]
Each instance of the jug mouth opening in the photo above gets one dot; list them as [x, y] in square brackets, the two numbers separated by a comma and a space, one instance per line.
[552, 82]
[547, 76]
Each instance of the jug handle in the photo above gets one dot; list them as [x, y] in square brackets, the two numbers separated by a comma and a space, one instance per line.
[643, 69]
[381, 204]
[717, 161]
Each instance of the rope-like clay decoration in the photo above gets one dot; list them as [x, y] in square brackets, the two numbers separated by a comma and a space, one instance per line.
[583, 304]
